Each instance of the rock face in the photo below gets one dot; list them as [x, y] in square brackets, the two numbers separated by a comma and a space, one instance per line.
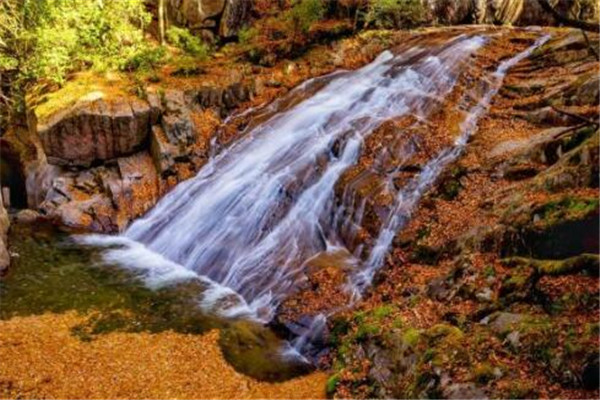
[103, 199]
[516, 12]
[194, 13]
[234, 15]
[4, 225]
[104, 162]
[96, 131]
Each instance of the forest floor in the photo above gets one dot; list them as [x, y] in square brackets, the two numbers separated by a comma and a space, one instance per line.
[41, 358]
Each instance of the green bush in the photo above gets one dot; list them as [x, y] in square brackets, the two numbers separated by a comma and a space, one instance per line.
[144, 59]
[47, 39]
[305, 13]
[395, 14]
[183, 39]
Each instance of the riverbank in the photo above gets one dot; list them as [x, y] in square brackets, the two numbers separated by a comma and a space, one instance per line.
[42, 358]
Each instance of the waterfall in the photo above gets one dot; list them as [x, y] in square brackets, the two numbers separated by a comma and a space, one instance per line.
[248, 221]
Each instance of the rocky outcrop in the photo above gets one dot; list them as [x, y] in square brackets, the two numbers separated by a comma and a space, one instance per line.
[208, 18]
[502, 12]
[105, 198]
[103, 162]
[96, 130]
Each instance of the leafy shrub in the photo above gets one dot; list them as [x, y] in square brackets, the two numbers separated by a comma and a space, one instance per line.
[395, 14]
[305, 13]
[144, 59]
[49, 39]
[182, 38]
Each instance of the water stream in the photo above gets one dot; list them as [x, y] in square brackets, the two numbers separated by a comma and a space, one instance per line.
[247, 223]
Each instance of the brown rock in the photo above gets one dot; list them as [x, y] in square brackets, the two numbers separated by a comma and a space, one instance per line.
[103, 199]
[163, 152]
[192, 13]
[96, 131]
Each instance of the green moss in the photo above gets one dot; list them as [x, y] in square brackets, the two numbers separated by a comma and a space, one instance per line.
[398, 323]
[538, 339]
[489, 271]
[366, 330]
[582, 262]
[568, 208]
[592, 330]
[483, 373]
[331, 385]
[411, 337]
[383, 311]
[443, 330]
[339, 328]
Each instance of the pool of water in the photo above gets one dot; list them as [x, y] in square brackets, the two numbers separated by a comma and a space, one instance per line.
[51, 272]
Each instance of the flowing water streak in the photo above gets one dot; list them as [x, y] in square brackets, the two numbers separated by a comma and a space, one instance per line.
[251, 217]
[405, 202]
[255, 213]
[408, 197]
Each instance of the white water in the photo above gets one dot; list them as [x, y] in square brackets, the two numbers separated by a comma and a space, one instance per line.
[253, 215]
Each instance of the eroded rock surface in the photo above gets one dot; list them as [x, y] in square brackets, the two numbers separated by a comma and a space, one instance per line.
[96, 130]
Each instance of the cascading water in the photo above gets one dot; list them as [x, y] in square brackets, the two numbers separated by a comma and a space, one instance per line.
[247, 223]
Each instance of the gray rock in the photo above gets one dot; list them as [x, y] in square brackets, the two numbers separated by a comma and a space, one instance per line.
[513, 339]
[485, 295]
[163, 152]
[464, 391]
[192, 13]
[501, 322]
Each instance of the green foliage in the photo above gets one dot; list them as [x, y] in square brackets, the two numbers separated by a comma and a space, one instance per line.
[395, 14]
[247, 34]
[183, 39]
[144, 59]
[305, 13]
[383, 311]
[45, 40]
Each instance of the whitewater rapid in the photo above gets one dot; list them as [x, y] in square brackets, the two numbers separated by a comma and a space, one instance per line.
[248, 221]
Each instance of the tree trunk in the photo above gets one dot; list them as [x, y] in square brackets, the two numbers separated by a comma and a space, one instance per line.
[161, 21]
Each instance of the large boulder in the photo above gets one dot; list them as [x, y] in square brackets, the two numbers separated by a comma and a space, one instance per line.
[95, 131]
